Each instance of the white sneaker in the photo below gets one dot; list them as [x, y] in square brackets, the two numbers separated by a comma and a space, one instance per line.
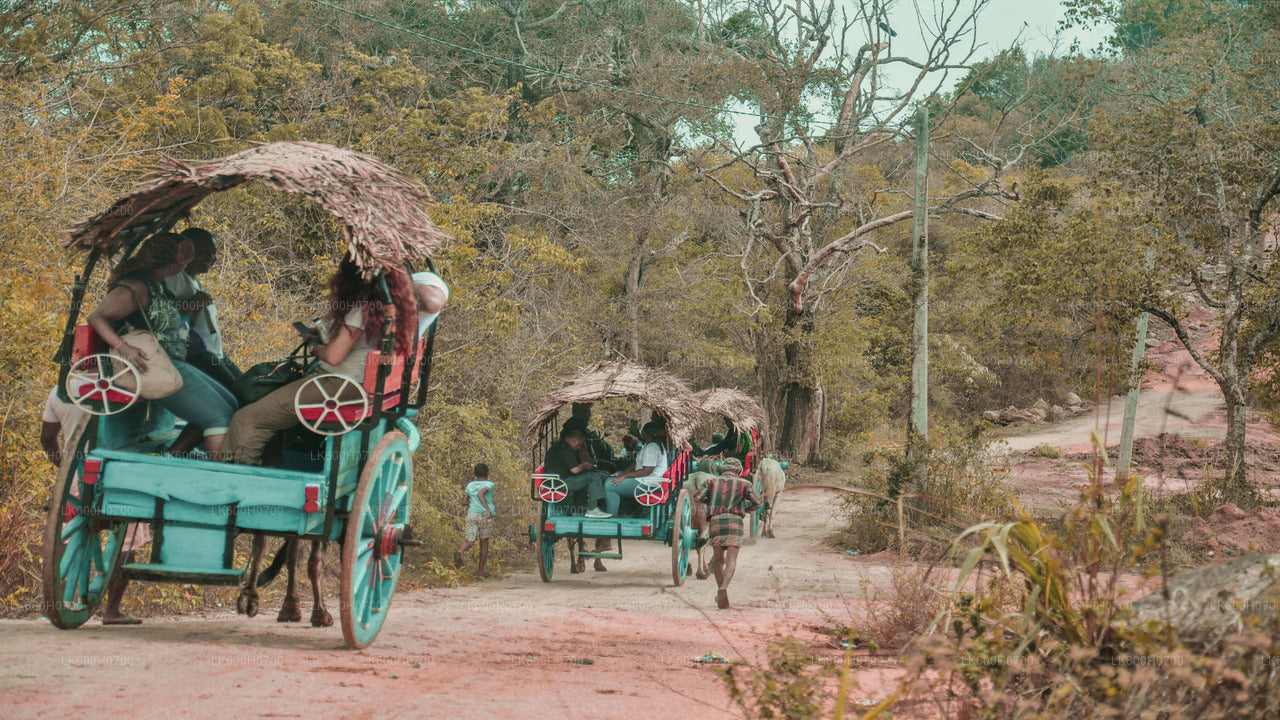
[596, 514]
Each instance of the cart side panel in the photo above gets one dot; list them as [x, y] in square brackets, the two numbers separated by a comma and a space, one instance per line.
[197, 499]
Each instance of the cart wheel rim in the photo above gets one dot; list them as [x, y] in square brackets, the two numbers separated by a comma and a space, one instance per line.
[370, 564]
[79, 558]
[93, 379]
[681, 537]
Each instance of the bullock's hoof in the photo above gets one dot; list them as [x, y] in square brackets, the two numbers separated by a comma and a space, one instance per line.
[289, 611]
[247, 602]
[321, 617]
[768, 533]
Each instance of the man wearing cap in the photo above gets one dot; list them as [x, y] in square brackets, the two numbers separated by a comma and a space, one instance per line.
[728, 499]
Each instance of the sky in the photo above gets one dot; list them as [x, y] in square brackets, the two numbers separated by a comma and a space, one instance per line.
[1033, 23]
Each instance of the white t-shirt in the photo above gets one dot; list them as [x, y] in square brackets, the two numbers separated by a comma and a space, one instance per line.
[63, 413]
[352, 365]
[183, 286]
[429, 279]
[652, 454]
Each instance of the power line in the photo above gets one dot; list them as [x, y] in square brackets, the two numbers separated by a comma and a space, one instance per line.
[555, 73]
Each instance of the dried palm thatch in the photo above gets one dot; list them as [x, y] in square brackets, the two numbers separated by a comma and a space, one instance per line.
[745, 413]
[667, 395]
[382, 210]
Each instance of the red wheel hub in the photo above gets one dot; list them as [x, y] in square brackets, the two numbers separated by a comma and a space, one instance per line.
[388, 541]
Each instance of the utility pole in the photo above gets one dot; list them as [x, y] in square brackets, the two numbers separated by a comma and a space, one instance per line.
[918, 430]
[1135, 380]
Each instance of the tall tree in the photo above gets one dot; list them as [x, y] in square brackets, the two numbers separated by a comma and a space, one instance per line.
[834, 100]
[1191, 132]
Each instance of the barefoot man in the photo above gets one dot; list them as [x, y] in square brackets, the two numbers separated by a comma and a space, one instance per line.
[728, 499]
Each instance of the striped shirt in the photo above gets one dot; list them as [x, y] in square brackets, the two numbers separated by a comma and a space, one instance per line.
[729, 495]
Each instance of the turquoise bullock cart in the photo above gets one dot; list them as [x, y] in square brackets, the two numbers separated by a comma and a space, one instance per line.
[345, 475]
[661, 512]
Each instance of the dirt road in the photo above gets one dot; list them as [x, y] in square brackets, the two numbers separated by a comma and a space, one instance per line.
[601, 645]
[1189, 414]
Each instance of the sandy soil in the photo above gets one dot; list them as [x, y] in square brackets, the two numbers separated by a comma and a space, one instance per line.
[618, 644]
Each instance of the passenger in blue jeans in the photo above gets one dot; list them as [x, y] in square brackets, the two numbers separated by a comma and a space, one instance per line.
[651, 463]
[136, 299]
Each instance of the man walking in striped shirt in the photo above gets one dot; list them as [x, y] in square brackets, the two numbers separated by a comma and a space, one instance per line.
[728, 499]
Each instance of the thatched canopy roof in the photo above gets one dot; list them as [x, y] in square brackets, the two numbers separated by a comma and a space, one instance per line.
[382, 211]
[665, 394]
[745, 413]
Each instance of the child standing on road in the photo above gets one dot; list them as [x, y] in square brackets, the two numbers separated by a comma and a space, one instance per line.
[480, 514]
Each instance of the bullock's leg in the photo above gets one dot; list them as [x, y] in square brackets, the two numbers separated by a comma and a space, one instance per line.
[575, 562]
[602, 544]
[699, 522]
[289, 611]
[767, 519]
[315, 570]
[247, 601]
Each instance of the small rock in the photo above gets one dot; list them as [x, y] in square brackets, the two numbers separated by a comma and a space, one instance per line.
[1154, 342]
[1056, 412]
[1041, 405]
[991, 416]
[1073, 399]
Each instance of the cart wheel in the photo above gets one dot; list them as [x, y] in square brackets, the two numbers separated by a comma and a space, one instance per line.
[755, 515]
[546, 550]
[371, 547]
[112, 384]
[80, 552]
[682, 537]
[552, 489]
[347, 395]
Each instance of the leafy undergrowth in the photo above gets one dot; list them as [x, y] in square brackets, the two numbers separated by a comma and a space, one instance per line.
[1037, 623]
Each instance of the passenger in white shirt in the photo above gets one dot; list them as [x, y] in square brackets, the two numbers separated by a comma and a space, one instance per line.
[651, 464]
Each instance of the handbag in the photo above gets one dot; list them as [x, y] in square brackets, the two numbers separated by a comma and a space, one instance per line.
[264, 378]
[161, 379]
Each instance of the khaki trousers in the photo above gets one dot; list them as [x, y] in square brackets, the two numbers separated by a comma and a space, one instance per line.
[254, 425]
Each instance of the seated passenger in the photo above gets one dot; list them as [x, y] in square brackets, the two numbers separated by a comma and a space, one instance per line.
[204, 344]
[597, 450]
[354, 328]
[431, 293]
[651, 463]
[564, 459]
[137, 300]
[630, 447]
[204, 349]
[733, 444]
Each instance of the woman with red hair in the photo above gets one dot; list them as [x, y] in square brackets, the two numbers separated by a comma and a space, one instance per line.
[355, 325]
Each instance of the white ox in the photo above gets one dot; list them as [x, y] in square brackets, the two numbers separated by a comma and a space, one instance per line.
[772, 481]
